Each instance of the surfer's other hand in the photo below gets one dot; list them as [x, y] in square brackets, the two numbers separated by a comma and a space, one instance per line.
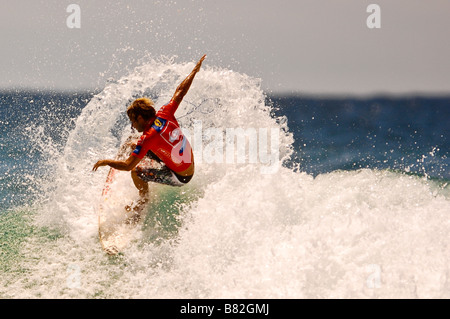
[98, 164]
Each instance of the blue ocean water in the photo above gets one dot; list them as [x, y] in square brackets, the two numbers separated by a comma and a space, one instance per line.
[34, 125]
[359, 207]
[409, 134]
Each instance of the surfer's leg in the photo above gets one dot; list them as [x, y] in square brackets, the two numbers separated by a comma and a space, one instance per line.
[136, 207]
[140, 184]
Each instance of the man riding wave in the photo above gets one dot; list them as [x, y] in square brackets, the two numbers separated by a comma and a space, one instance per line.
[162, 140]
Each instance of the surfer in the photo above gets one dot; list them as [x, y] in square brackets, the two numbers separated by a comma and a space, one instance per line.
[162, 141]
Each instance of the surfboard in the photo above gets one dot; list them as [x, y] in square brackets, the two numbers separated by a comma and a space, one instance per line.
[117, 225]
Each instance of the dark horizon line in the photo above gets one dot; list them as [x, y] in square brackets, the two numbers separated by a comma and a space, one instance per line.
[268, 93]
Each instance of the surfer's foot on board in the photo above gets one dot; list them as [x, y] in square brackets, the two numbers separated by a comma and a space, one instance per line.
[134, 210]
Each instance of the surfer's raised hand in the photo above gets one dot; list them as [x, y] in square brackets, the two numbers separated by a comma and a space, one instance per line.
[183, 88]
[199, 63]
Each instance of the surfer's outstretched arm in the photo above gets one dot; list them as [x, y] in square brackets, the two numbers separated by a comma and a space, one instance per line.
[183, 88]
[126, 165]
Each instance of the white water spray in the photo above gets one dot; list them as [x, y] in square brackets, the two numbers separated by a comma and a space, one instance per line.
[239, 233]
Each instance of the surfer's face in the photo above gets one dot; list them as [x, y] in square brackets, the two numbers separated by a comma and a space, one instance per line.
[137, 123]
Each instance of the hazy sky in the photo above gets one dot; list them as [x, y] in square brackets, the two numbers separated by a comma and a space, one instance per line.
[303, 46]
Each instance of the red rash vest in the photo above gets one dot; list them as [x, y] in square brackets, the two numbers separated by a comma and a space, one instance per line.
[165, 139]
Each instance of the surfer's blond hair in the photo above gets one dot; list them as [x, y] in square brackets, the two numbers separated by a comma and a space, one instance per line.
[143, 107]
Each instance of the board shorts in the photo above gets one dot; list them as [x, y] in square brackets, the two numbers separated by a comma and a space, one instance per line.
[161, 174]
